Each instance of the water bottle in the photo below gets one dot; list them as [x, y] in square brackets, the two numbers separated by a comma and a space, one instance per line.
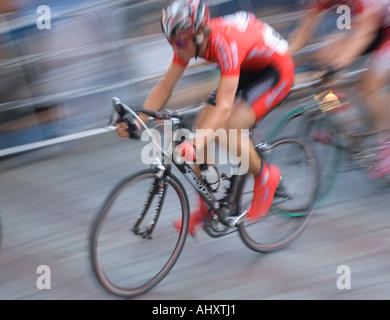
[210, 175]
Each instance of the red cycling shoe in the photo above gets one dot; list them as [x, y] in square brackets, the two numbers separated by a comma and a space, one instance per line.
[266, 183]
[197, 218]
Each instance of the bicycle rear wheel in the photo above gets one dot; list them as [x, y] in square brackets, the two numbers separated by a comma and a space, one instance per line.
[318, 128]
[294, 200]
[126, 263]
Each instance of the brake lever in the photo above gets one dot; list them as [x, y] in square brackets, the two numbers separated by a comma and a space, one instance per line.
[118, 108]
[115, 114]
[114, 117]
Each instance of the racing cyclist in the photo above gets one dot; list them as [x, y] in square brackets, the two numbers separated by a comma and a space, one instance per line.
[257, 73]
[370, 35]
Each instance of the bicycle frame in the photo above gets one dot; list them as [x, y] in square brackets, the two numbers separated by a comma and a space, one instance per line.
[204, 191]
[163, 171]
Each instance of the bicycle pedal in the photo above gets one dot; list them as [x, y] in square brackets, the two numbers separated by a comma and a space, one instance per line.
[234, 222]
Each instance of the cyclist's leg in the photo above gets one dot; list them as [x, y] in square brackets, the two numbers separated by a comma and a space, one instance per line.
[242, 117]
[259, 96]
[204, 114]
[199, 212]
[241, 120]
[373, 88]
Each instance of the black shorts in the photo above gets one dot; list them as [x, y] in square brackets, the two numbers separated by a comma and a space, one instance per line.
[263, 90]
[252, 85]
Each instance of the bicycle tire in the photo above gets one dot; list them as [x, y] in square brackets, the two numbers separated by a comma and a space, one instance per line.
[330, 154]
[288, 216]
[132, 269]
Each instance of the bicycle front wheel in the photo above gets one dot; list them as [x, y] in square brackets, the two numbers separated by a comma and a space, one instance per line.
[294, 199]
[125, 261]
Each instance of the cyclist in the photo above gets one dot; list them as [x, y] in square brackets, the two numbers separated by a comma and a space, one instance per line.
[257, 73]
[370, 34]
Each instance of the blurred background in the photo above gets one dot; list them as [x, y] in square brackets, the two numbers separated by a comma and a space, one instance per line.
[59, 81]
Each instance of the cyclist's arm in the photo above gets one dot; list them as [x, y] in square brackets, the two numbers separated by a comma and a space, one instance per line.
[158, 97]
[305, 30]
[342, 52]
[224, 102]
[163, 90]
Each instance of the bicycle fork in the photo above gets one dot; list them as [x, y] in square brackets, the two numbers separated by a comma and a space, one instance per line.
[158, 188]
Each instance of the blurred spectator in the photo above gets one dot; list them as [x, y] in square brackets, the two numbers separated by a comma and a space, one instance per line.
[369, 34]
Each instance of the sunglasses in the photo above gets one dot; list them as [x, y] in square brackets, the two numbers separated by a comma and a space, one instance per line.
[179, 42]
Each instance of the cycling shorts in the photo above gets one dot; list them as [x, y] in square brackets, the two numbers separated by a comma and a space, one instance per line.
[263, 90]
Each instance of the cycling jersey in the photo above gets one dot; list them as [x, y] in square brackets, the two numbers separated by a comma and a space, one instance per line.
[241, 44]
[240, 41]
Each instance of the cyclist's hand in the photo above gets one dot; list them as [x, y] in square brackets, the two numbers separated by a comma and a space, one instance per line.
[323, 73]
[327, 75]
[122, 129]
[128, 128]
[186, 151]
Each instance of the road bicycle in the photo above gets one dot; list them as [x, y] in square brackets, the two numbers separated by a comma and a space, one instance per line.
[337, 129]
[133, 244]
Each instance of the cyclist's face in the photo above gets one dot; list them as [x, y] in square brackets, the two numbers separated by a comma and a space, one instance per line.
[184, 47]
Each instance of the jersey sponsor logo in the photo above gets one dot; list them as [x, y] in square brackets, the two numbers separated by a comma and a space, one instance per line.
[239, 20]
[233, 50]
[227, 55]
[263, 52]
[274, 40]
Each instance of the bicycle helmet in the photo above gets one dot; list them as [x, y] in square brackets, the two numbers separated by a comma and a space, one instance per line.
[184, 16]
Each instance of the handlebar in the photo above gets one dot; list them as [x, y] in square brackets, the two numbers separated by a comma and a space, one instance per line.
[122, 109]
[326, 73]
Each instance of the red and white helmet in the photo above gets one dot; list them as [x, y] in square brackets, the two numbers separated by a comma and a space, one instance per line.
[184, 16]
